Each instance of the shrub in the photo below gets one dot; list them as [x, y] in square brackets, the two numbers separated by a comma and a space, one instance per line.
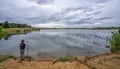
[1, 29]
[115, 43]
[119, 30]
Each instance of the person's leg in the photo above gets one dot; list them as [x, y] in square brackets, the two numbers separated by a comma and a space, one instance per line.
[27, 51]
[22, 55]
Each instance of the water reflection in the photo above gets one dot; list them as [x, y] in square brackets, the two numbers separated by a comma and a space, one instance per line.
[59, 42]
[6, 36]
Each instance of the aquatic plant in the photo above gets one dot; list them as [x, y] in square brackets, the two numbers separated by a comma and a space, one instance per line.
[115, 43]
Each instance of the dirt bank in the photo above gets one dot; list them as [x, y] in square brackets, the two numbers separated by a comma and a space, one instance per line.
[107, 61]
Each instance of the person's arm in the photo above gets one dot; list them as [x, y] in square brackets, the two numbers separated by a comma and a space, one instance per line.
[27, 46]
[20, 45]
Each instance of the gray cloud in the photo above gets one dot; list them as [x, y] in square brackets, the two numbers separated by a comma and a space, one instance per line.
[42, 2]
[104, 18]
[98, 1]
[63, 14]
[97, 12]
[72, 13]
[80, 21]
[80, 8]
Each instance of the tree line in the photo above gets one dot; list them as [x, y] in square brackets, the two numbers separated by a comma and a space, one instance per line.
[6, 24]
[107, 28]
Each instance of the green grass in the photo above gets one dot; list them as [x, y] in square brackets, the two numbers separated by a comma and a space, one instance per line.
[4, 58]
[67, 58]
[20, 30]
[115, 42]
[5, 32]
[1, 29]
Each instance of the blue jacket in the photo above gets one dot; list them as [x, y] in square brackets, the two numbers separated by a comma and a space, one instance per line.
[22, 46]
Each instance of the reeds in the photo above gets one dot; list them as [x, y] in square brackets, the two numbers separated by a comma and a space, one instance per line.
[115, 42]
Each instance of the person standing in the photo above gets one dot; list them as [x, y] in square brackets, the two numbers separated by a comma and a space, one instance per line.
[27, 46]
[22, 50]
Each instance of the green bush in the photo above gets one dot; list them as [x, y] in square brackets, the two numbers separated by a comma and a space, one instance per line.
[115, 43]
[119, 30]
[1, 29]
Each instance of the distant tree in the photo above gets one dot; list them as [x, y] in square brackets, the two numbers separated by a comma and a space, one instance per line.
[119, 31]
[6, 24]
[0, 24]
[29, 26]
[13, 25]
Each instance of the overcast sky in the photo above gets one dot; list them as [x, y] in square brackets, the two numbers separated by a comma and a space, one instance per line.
[61, 13]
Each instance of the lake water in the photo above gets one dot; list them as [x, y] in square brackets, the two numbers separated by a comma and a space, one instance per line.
[48, 43]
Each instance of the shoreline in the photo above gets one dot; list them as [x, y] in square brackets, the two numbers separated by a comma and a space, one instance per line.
[104, 61]
[57, 57]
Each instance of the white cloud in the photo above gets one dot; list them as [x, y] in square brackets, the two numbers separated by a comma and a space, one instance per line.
[49, 25]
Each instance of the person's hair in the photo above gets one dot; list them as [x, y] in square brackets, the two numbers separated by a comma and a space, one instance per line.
[22, 40]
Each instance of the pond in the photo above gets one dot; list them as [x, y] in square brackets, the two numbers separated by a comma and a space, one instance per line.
[47, 43]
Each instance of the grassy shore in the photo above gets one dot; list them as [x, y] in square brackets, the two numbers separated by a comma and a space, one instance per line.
[5, 32]
[19, 30]
[16, 30]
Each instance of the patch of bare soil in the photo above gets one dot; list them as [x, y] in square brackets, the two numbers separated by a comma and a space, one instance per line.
[107, 61]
